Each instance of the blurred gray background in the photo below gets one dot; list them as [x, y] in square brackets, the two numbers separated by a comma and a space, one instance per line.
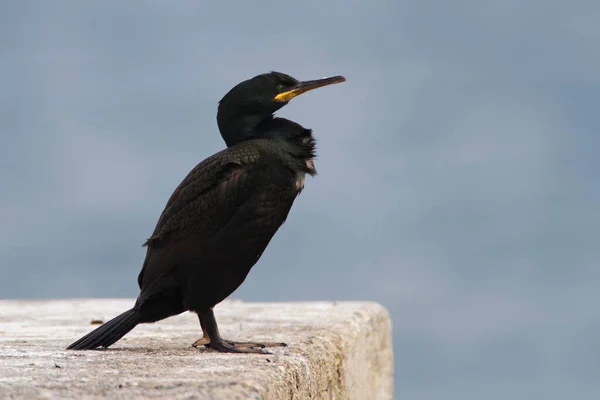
[458, 177]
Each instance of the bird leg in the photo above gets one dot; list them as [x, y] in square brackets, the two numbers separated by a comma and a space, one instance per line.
[212, 339]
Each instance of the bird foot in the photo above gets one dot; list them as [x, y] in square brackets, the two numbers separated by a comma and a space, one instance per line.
[233, 347]
[204, 340]
[227, 346]
[256, 344]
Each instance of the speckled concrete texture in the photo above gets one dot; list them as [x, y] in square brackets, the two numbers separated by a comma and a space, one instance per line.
[335, 350]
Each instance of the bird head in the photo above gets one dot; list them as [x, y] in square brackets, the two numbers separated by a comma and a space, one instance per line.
[252, 101]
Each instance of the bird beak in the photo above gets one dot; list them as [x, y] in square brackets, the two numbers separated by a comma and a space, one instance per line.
[306, 86]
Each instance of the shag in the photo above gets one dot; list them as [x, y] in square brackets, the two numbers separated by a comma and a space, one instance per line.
[222, 216]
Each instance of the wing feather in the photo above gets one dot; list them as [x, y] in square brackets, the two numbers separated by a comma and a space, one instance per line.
[201, 205]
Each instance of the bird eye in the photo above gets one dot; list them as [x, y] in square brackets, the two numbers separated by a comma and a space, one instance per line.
[279, 88]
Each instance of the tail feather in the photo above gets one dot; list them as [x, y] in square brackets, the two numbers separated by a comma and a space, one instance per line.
[109, 332]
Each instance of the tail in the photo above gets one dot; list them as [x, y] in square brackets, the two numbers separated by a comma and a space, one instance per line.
[109, 332]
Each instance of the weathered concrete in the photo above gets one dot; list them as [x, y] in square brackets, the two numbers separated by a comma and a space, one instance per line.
[336, 351]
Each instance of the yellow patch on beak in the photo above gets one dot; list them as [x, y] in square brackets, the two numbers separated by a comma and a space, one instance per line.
[303, 87]
[290, 94]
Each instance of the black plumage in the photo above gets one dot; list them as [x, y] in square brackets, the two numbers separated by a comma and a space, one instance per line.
[222, 216]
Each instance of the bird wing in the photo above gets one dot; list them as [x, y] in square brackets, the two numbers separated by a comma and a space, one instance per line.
[201, 205]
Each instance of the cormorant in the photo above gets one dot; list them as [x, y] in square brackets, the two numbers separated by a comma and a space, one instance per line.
[223, 215]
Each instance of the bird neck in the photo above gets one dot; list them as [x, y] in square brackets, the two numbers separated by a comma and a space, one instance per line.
[295, 144]
[238, 129]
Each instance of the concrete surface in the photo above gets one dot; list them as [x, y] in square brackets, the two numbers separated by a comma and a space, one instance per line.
[336, 351]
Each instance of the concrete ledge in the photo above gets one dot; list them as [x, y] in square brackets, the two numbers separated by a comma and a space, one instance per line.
[336, 351]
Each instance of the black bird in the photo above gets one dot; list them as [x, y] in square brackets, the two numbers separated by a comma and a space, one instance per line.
[221, 218]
